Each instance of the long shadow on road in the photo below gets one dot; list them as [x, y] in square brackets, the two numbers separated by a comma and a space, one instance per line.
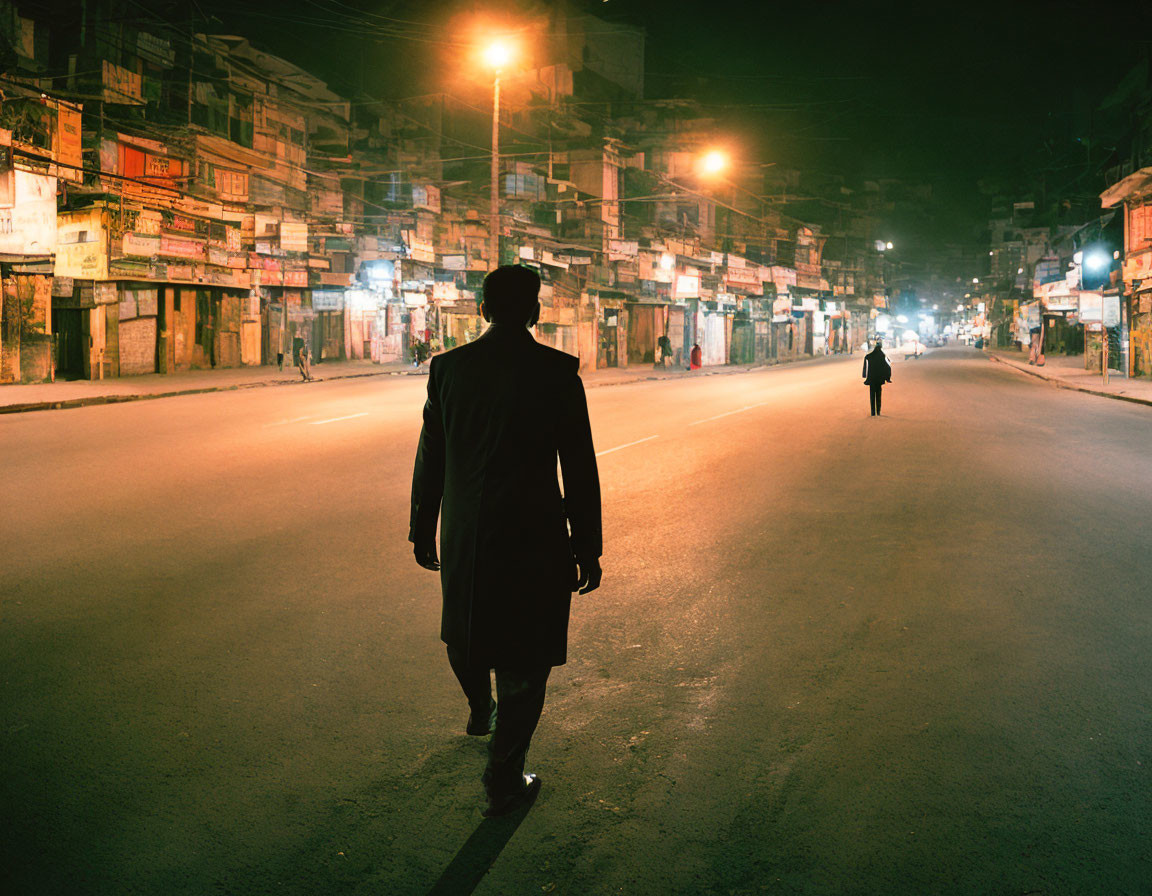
[477, 856]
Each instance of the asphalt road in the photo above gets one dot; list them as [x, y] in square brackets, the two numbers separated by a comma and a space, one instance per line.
[832, 654]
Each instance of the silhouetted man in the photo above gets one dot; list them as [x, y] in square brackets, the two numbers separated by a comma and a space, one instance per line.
[500, 411]
[877, 372]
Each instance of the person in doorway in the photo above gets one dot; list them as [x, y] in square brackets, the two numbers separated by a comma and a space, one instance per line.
[300, 350]
[696, 358]
[500, 412]
[877, 372]
[663, 352]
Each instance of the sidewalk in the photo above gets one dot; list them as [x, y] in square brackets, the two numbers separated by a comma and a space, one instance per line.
[16, 399]
[1067, 372]
[79, 393]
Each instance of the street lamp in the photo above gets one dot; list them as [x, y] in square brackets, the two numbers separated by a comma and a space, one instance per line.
[497, 55]
[713, 162]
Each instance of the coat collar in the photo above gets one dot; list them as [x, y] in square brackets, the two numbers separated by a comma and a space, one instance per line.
[504, 332]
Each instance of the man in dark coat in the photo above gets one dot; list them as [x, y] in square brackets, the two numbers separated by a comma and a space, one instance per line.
[500, 411]
[877, 372]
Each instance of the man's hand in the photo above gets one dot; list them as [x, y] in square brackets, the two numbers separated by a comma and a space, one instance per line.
[588, 575]
[425, 552]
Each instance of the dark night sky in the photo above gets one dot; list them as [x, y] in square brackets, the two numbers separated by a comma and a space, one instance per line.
[938, 91]
[893, 89]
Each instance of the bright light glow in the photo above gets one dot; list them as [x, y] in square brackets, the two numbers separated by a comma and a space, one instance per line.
[1078, 258]
[497, 54]
[888, 245]
[1096, 261]
[959, 307]
[989, 251]
[975, 279]
[1019, 270]
[667, 262]
[1116, 255]
[902, 318]
[967, 295]
[910, 336]
[935, 307]
[714, 161]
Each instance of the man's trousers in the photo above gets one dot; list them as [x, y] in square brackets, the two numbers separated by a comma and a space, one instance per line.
[519, 702]
[874, 396]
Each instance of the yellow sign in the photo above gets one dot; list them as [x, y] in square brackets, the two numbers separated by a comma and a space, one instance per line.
[82, 245]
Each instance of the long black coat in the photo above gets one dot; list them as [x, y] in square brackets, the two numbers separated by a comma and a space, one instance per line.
[500, 411]
[877, 370]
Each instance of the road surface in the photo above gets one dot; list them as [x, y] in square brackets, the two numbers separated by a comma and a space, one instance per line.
[832, 654]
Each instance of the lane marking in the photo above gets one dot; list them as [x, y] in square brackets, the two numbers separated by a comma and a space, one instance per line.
[286, 422]
[729, 413]
[335, 419]
[629, 445]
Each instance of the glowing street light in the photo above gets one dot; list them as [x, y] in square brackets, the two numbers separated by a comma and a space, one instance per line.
[713, 162]
[496, 56]
[888, 245]
[1095, 261]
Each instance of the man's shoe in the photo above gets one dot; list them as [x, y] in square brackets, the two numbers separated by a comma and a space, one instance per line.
[524, 796]
[480, 727]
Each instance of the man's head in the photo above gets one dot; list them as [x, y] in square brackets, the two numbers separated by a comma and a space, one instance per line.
[878, 342]
[511, 296]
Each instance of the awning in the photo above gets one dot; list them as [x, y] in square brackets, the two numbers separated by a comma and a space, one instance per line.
[1135, 184]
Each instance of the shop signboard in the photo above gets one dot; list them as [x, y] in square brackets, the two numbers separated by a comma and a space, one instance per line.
[420, 249]
[294, 237]
[1111, 310]
[82, 245]
[621, 250]
[140, 244]
[66, 142]
[177, 247]
[328, 299]
[296, 278]
[29, 226]
[1091, 307]
[687, 286]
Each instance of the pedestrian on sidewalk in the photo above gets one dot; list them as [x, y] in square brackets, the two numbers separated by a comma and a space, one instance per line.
[300, 350]
[696, 358]
[877, 372]
[500, 411]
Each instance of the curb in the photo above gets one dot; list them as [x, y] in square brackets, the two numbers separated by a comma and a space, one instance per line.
[1055, 381]
[88, 401]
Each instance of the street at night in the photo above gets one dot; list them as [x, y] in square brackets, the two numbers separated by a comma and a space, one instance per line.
[831, 653]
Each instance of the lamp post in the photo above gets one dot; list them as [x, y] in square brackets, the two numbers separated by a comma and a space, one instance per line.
[496, 55]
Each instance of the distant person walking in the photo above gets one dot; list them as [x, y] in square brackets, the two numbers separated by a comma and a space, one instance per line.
[696, 358]
[877, 372]
[500, 411]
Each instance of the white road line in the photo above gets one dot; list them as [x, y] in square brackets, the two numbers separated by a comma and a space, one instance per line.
[629, 445]
[335, 419]
[729, 413]
[286, 422]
